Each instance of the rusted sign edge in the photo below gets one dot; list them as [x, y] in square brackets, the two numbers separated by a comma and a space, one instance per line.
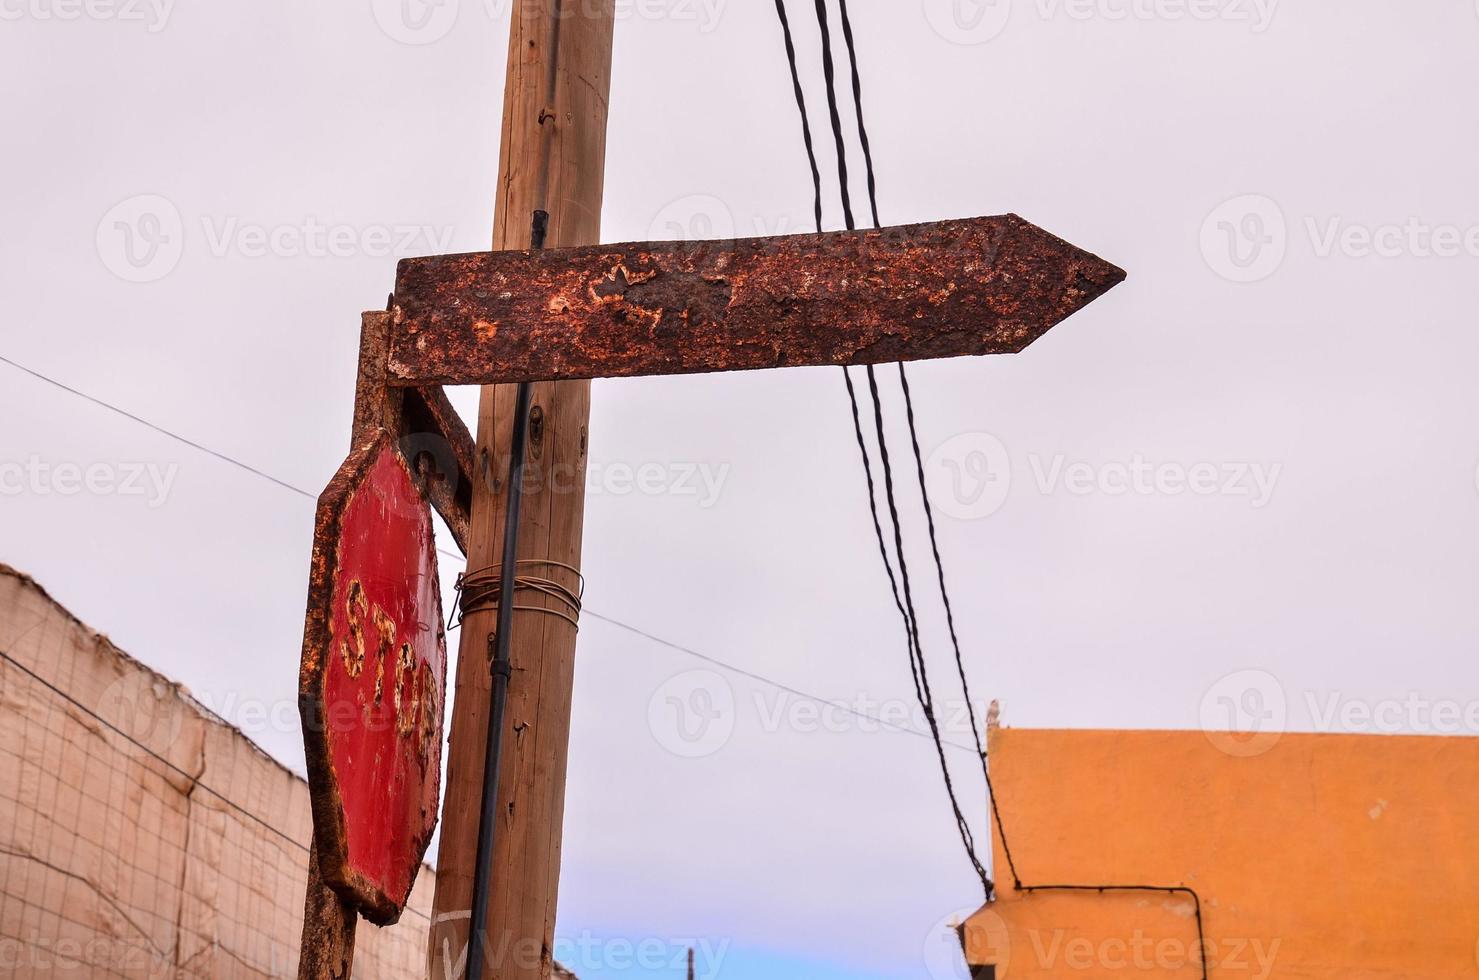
[325, 801]
[944, 289]
[430, 434]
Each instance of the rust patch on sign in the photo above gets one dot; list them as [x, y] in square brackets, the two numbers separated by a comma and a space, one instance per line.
[974, 286]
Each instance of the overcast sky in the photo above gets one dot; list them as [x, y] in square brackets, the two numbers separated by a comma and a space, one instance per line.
[1238, 490]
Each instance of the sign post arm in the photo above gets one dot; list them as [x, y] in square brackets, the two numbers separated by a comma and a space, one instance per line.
[431, 435]
[328, 929]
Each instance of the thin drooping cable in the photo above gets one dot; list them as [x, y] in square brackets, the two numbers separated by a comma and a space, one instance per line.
[195, 781]
[192, 779]
[917, 662]
[816, 699]
[811, 153]
[909, 615]
[830, 72]
[929, 515]
[159, 429]
[903, 599]
[914, 439]
[635, 630]
[857, 93]
[857, 101]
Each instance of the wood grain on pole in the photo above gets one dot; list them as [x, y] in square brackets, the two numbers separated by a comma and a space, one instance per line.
[553, 158]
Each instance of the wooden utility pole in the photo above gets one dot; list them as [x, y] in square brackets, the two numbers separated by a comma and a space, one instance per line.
[553, 159]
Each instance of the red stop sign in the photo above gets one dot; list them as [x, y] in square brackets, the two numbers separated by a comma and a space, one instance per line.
[373, 681]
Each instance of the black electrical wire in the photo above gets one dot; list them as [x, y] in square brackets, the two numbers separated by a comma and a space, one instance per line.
[829, 71]
[911, 621]
[906, 606]
[811, 153]
[857, 101]
[900, 585]
[195, 781]
[857, 93]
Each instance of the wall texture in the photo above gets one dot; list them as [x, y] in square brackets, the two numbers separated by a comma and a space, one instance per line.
[140, 835]
[1314, 856]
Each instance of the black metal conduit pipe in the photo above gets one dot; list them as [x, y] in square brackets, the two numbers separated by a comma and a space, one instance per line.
[501, 666]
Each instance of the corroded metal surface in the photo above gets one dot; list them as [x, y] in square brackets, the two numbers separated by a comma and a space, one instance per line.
[429, 433]
[442, 453]
[974, 286]
[372, 682]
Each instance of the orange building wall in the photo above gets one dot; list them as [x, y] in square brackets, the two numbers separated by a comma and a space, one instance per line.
[1315, 856]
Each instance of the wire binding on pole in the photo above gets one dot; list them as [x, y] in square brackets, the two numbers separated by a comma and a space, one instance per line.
[481, 589]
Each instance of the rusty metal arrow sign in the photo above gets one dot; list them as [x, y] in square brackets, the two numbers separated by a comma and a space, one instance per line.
[973, 286]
